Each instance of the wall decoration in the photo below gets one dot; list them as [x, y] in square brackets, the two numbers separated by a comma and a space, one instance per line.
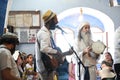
[26, 24]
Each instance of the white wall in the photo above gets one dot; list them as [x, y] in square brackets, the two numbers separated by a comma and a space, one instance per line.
[59, 6]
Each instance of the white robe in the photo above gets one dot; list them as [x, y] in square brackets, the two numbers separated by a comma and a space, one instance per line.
[87, 61]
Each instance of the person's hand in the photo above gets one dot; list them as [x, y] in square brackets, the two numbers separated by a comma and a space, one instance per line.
[59, 57]
[69, 52]
[87, 50]
[71, 69]
[34, 73]
[72, 75]
[36, 76]
[59, 54]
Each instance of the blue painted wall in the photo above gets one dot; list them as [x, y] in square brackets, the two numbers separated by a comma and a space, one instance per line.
[3, 8]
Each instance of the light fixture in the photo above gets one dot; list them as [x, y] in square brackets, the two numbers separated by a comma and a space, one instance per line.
[81, 15]
[113, 3]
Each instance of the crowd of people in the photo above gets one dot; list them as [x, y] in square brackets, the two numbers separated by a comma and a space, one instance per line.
[16, 65]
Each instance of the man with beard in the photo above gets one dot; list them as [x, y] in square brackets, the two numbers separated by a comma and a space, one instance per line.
[45, 45]
[8, 67]
[82, 47]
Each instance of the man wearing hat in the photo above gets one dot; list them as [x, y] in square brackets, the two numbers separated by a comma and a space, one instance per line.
[44, 43]
[8, 67]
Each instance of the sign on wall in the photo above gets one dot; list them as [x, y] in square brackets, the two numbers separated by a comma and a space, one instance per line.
[26, 24]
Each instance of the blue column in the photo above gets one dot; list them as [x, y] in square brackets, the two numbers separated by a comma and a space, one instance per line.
[118, 2]
[3, 8]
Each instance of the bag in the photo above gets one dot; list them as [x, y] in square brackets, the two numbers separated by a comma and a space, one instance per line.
[50, 64]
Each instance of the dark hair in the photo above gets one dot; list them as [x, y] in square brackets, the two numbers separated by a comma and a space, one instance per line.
[9, 39]
[29, 55]
[106, 63]
[110, 56]
[10, 28]
[23, 55]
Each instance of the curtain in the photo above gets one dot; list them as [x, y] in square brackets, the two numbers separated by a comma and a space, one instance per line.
[4, 9]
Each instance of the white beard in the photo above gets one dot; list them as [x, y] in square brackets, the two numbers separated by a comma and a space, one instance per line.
[86, 38]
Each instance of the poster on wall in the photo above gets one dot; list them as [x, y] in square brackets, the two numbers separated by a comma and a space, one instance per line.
[32, 35]
[26, 35]
[26, 24]
[24, 18]
[35, 19]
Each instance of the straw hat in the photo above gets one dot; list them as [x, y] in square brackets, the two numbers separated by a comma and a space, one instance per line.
[106, 73]
[48, 16]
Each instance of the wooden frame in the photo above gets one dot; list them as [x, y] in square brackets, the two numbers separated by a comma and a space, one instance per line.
[24, 18]
[26, 24]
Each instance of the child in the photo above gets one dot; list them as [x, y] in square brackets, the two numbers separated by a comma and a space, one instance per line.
[29, 68]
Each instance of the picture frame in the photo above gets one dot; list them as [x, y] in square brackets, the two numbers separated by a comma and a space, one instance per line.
[26, 24]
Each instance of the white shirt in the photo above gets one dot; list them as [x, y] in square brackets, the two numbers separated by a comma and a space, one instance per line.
[30, 68]
[7, 61]
[43, 44]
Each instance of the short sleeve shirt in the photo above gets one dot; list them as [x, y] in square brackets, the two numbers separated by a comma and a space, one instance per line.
[30, 68]
[7, 61]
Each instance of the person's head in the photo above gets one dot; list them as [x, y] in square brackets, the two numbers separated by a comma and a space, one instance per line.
[10, 28]
[108, 57]
[50, 19]
[24, 57]
[84, 31]
[10, 40]
[19, 59]
[30, 58]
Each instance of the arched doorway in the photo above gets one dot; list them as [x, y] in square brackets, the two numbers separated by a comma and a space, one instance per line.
[70, 18]
[101, 25]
